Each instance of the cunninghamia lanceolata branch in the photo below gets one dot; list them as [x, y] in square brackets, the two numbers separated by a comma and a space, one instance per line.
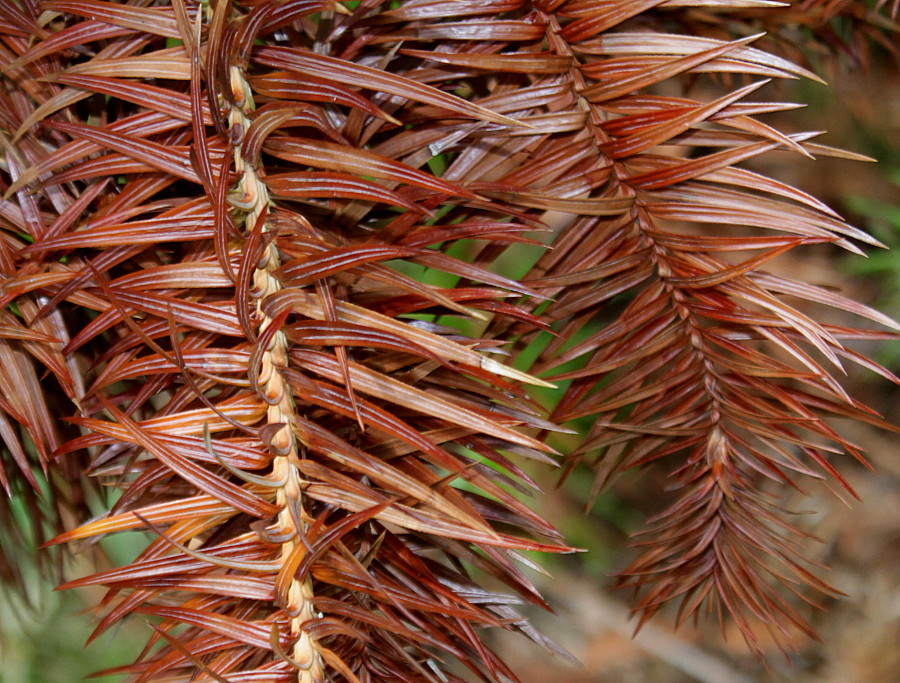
[291, 524]
[274, 271]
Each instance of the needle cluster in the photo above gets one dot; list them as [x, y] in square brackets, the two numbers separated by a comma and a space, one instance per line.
[234, 235]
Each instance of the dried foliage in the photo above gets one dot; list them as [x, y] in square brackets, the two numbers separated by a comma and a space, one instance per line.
[219, 225]
[858, 32]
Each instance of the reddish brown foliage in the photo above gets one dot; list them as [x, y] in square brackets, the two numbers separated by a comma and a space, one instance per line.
[213, 218]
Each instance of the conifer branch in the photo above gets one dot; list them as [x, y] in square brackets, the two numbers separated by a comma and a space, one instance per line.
[221, 232]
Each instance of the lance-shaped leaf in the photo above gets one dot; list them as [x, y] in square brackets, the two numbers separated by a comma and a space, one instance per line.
[330, 68]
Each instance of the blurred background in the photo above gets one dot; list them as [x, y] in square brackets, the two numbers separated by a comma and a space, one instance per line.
[42, 634]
